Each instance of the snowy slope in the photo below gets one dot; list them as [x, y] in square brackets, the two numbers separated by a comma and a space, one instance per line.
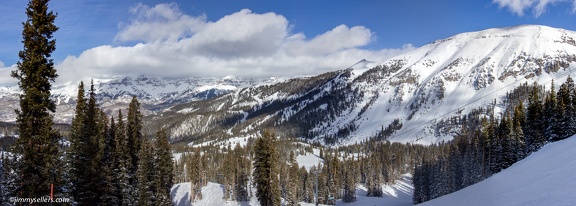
[418, 90]
[545, 177]
[399, 194]
[454, 75]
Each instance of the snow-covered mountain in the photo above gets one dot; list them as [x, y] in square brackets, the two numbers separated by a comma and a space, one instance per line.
[412, 97]
[154, 94]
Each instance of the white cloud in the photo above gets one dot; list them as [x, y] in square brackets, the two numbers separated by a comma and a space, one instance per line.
[158, 23]
[243, 44]
[5, 78]
[538, 6]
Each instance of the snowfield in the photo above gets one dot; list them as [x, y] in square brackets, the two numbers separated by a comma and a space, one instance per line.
[399, 194]
[546, 177]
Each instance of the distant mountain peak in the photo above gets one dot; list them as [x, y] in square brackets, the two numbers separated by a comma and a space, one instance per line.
[406, 98]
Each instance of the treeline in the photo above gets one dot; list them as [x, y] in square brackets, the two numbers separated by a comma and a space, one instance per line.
[106, 160]
[489, 144]
[340, 170]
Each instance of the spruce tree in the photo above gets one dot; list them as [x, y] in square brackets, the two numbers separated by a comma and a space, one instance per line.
[75, 159]
[195, 168]
[241, 175]
[265, 170]
[533, 132]
[134, 137]
[146, 175]
[293, 180]
[122, 163]
[566, 109]
[7, 180]
[38, 144]
[84, 151]
[551, 127]
[165, 171]
[349, 186]
[110, 188]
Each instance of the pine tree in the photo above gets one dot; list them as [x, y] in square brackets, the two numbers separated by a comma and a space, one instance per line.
[551, 127]
[194, 173]
[349, 186]
[533, 132]
[293, 180]
[76, 161]
[519, 122]
[265, 170]
[134, 137]
[566, 109]
[122, 163]
[85, 150]
[241, 175]
[165, 171]
[38, 144]
[7, 180]
[146, 175]
[110, 188]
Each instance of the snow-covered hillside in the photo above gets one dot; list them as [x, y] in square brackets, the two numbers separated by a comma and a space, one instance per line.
[413, 94]
[546, 177]
[454, 75]
[399, 194]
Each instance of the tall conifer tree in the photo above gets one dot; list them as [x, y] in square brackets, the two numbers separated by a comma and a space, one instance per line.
[165, 165]
[134, 137]
[265, 170]
[38, 144]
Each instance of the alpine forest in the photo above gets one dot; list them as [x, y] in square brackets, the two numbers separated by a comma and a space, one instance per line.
[479, 118]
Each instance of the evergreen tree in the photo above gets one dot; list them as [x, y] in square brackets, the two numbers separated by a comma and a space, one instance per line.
[265, 170]
[122, 163]
[134, 137]
[85, 150]
[533, 132]
[519, 122]
[551, 127]
[110, 188]
[241, 175]
[38, 144]
[7, 181]
[566, 115]
[194, 172]
[76, 160]
[293, 180]
[349, 187]
[146, 175]
[165, 173]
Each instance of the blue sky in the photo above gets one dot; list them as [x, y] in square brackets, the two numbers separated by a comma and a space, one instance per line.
[105, 38]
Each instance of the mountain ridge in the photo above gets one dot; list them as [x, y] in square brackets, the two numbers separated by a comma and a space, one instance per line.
[407, 98]
[411, 97]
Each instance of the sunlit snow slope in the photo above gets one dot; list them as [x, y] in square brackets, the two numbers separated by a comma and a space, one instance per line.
[546, 177]
[452, 76]
[414, 93]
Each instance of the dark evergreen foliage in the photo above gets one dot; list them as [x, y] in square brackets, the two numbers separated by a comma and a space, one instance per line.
[476, 154]
[38, 145]
[265, 170]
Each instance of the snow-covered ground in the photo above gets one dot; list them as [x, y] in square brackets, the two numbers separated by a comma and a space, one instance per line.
[310, 160]
[399, 194]
[546, 177]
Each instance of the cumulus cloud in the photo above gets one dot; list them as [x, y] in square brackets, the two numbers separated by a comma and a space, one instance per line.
[173, 44]
[538, 6]
[5, 78]
[158, 23]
